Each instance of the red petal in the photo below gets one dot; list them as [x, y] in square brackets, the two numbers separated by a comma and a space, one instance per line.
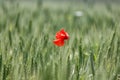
[59, 42]
[62, 34]
[66, 35]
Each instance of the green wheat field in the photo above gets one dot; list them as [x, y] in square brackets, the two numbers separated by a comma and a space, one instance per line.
[27, 31]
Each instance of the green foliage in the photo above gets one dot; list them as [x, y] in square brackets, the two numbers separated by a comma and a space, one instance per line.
[27, 51]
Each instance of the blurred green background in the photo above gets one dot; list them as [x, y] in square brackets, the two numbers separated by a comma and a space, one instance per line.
[28, 28]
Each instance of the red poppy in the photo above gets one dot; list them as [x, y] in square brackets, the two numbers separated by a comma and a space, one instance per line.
[60, 37]
[59, 42]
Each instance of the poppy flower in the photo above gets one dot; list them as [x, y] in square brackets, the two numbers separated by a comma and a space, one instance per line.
[59, 42]
[60, 37]
[62, 34]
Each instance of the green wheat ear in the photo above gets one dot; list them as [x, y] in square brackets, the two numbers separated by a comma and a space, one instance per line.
[30, 26]
[10, 37]
[68, 70]
[17, 23]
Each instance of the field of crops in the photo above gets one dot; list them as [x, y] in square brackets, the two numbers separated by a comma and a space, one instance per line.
[27, 51]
